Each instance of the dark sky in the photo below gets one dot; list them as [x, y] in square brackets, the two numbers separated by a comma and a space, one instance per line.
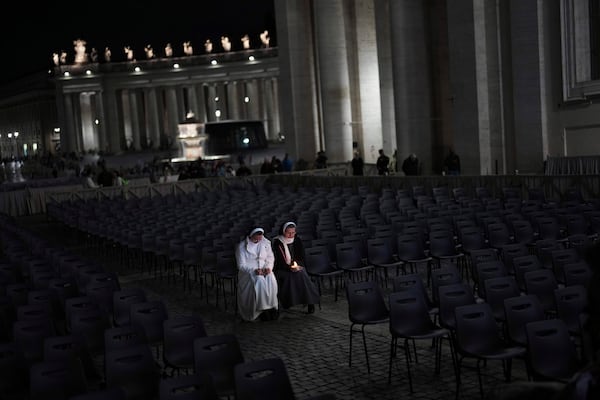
[32, 32]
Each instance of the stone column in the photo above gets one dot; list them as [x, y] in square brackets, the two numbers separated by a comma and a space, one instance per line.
[297, 93]
[412, 84]
[334, 79]
[211, 104]
[102, 139]
[135, 120]
[386, 76]
[233, 100]
[191, 100]
[199, 90]
[221, 104]
[152, 120]
[113, 130]
[126, 111]
[253, 105]
[172, 115]
[367, 124]
[68, 142]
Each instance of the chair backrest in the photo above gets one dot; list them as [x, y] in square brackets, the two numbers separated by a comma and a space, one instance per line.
[552, 353]
[262, 379]
[562, 257]
[409, 313]
[410, 282]
[217, 355]
[122, 300]
[179, 335]
[410, 247]
[571, 301]
[519, 311]
[450, 297]
[471, 238]
[366, 303]
[149, 317]
[56, 379]
[187, 387]
[114, 393]
[577, 273]
[317, 260]
[498, 234]
[445, 275]
[64, 347]
[497, 290]
[523, 231]
[441, 243]
[476, 329]
[120, 337]
[523, 265]
[487, 270]
[90, 323]
[134, 370]
[542, 283]
[512, 250]
[379, 252]
[29, 337]
[348, 256]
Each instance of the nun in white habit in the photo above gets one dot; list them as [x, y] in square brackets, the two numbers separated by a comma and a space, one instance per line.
[257, 286]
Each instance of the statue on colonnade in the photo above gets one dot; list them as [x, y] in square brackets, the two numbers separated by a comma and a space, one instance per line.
[168, 50]
[55, 59]
[225, 43]
[245, 42]
[149, 52]
[107, 54]
[208, 46]
[188, 50]
[265, 39]
[63, 57]
[128, 53]
[94, 55]
[80, 54]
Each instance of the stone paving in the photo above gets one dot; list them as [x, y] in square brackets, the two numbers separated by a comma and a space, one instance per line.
[313, 347]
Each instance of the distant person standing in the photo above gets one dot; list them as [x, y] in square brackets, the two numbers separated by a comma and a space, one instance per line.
[411, 166]
[383, 163]
[321, 161]
[452, 163]
[357, 165]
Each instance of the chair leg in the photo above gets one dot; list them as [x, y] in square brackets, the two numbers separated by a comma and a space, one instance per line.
[407, 356]
[479, 378]
[392, 356]
[365, 347]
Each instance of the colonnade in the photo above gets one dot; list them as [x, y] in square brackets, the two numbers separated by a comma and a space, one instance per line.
[113, 113]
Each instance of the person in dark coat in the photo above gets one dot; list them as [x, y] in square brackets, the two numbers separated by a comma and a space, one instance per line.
[411, 166]
[295, 286]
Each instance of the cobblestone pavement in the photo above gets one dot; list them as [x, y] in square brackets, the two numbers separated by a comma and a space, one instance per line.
[314, 347]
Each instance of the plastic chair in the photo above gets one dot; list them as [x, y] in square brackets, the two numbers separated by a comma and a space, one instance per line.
[62, 348]
[187, 387]
[54, 380]
[562, 257]
[134, 370]
[262, 379]
[90, 323]
[551, 352]
[451, 296]
[414, 281]
[446, 275]
[442, 249]
[411, 251]
[349, 260]
[542, 283]
[217, 355]
[148, 317]
[523, 265]
[120, 337]
[497, 290]
[478, 336]
[122, 300]
[366, 306]
[519, 311]
[179, 335]
[319, 267]
[498, 235]
[577, 273]
[571, 302]
[487, 270]
[381, 257]
[409, 320]
[510, 251]
[29, 337]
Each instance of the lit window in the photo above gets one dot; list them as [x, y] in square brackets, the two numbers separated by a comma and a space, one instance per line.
[176, 66]
[137, 69]
[66, 73]
[251, 58]
[214, 62]
[217, 113]
[246, 99]
[88, 72]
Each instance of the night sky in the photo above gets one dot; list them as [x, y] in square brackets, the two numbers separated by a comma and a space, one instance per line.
[32, 32]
